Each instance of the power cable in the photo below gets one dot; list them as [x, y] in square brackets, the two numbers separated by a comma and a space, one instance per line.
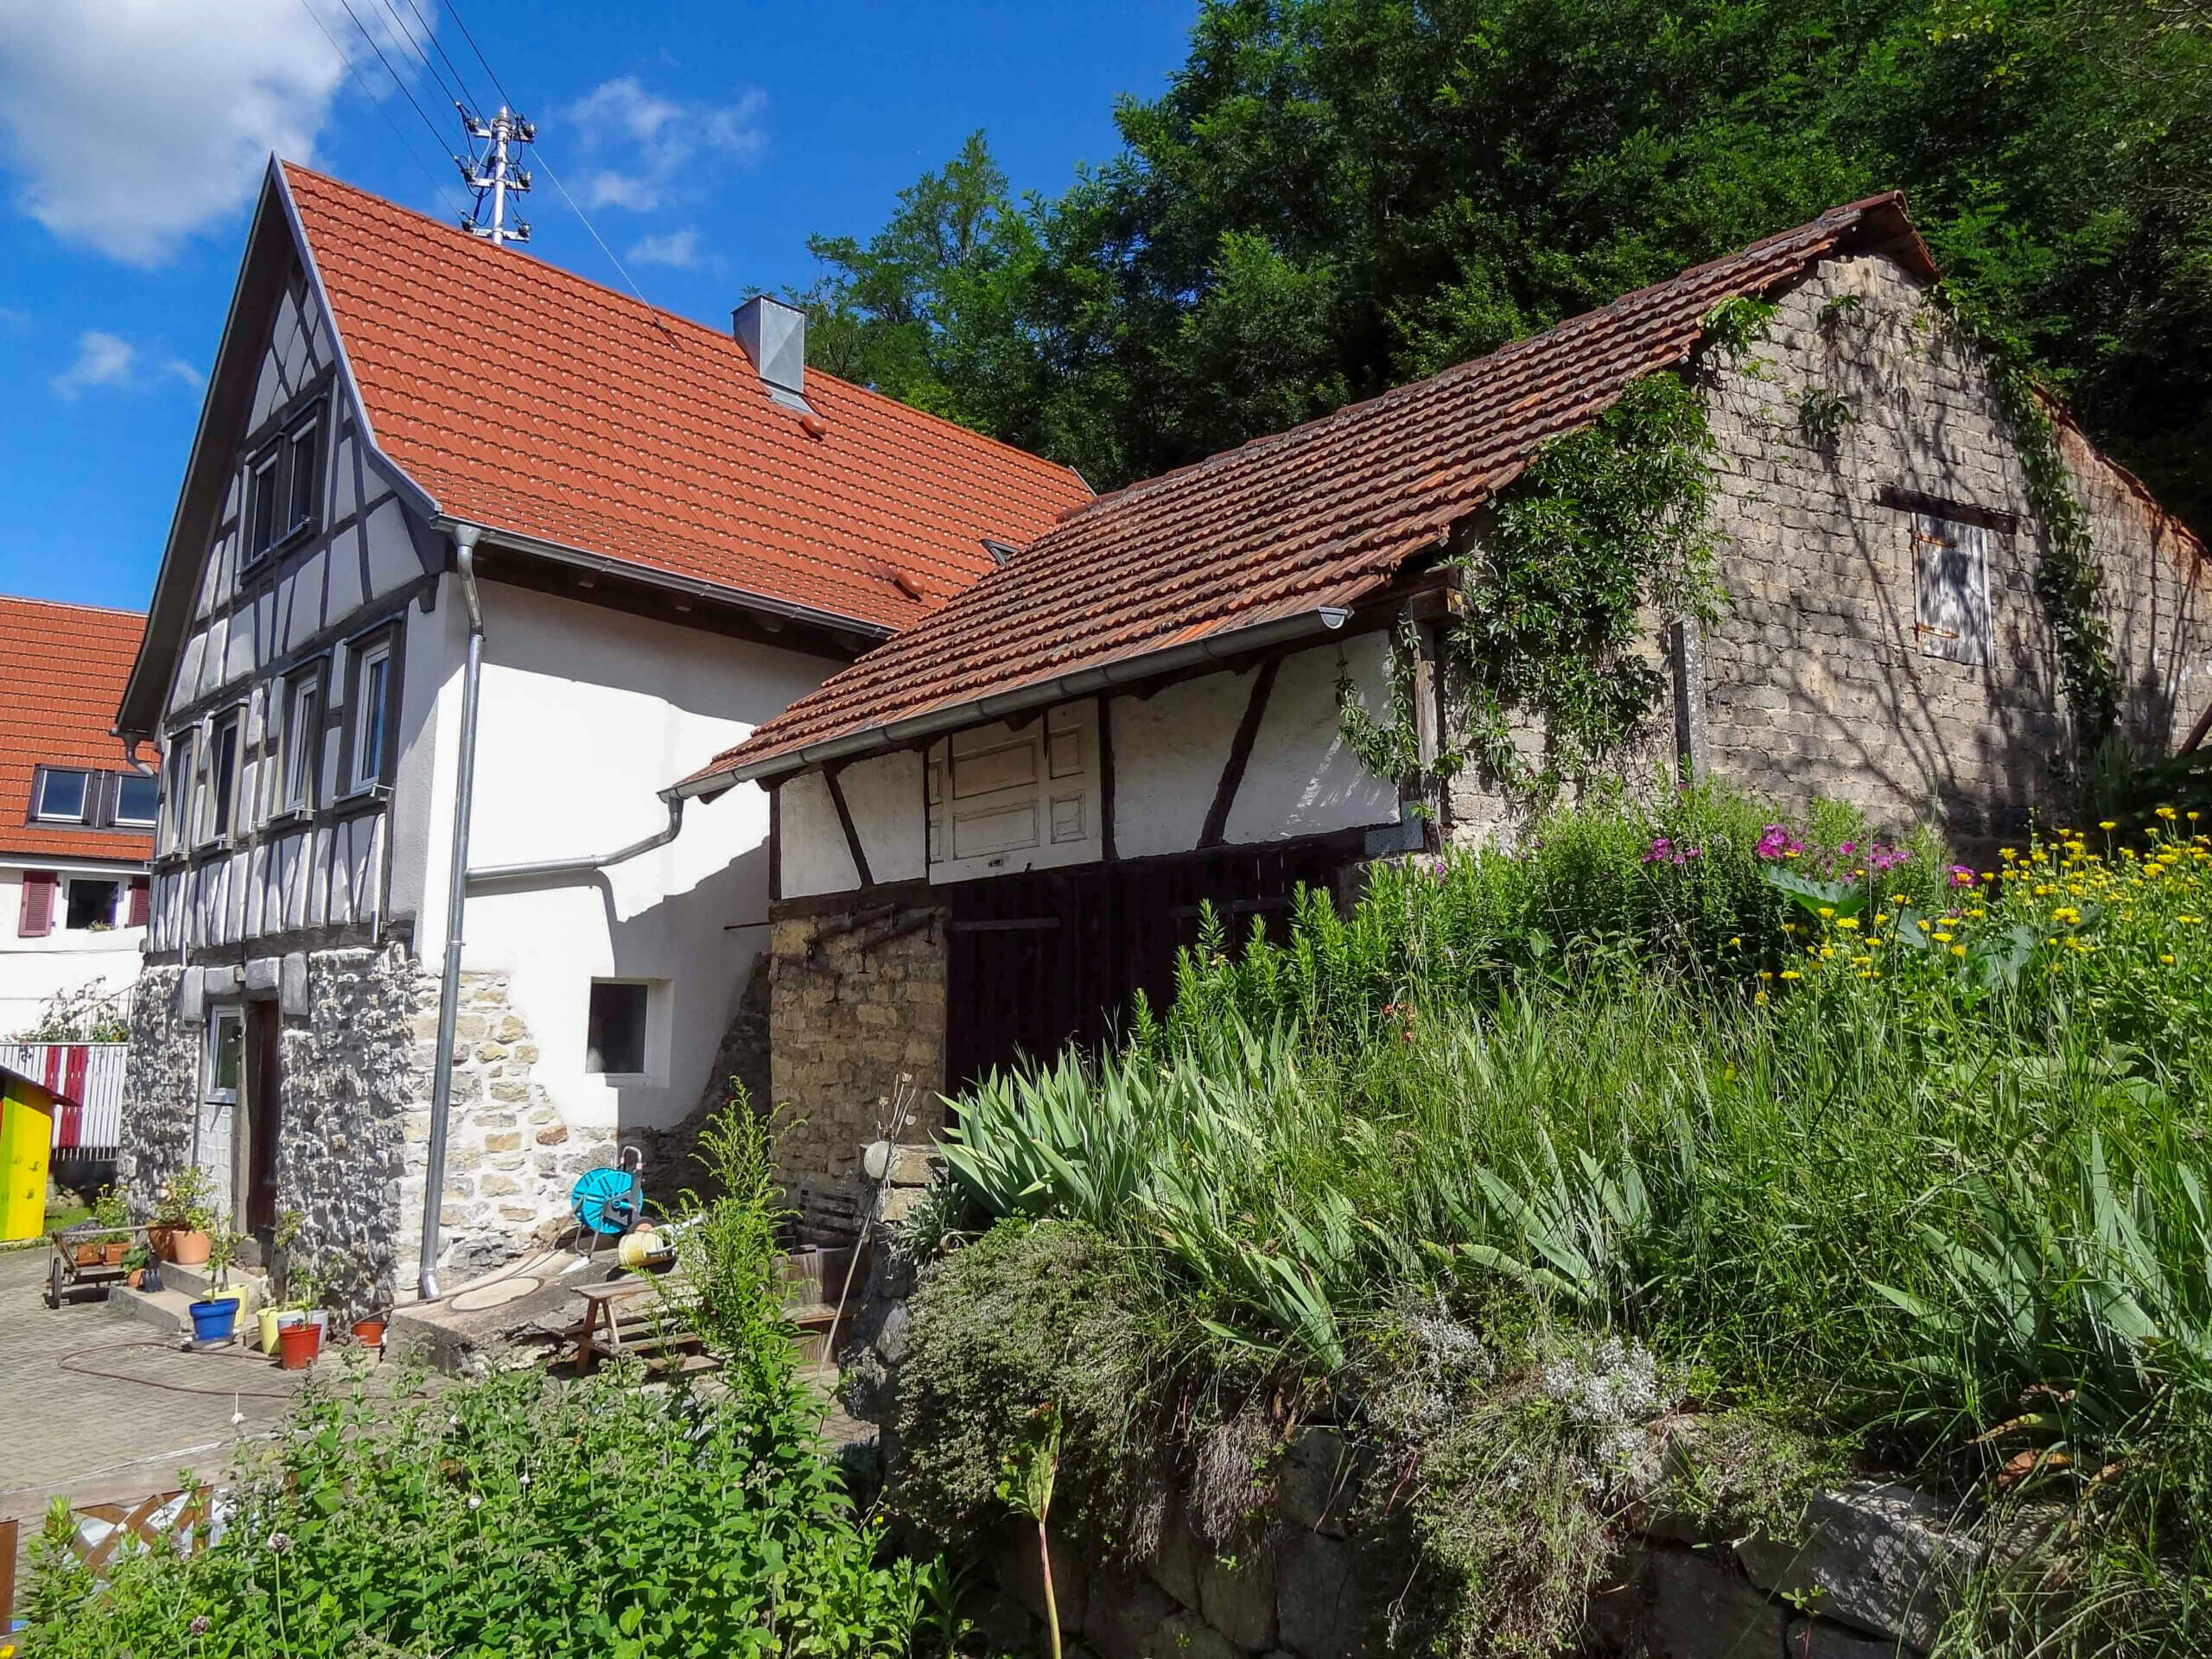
[547, 166]
[463, 23]
[437, 186]
[468, 93]
[398, 80]
[408, 35]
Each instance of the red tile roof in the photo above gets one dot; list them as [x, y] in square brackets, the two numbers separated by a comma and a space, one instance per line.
[526, 399]
[1317, 516]
[61, 674]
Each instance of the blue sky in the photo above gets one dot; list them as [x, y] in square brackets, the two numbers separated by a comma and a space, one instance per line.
[705, 141]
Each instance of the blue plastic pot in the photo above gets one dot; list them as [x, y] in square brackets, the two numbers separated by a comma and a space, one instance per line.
[212, 1321]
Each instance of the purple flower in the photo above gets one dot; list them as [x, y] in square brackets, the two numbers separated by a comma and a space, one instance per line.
[1661, 851]
[1961, 876]
[1778, 843]
[1847, 848]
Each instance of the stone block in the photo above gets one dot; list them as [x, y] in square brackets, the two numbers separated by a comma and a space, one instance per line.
[511, 1094]
[1321, 1609]
[1021, 1571]
[1313, 1482]
[1187, 1636]
[1125, 1613]
[503, 1141]
[470, 1027]
[1880, 1557]
[487, 1053]
[552, 1134]
[511, 1030]
[499, 1186]
[1699, 1608]
[526, 1053]
[1237, 1596]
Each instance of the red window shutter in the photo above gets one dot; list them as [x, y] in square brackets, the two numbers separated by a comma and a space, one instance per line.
[141, 901]
[37, 919]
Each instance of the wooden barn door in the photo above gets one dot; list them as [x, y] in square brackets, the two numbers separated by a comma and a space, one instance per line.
[1038, 961]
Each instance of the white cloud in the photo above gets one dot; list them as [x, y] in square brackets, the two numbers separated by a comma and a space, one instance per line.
[649, 150]
[105, 360]
[676, 248]
[130, 124]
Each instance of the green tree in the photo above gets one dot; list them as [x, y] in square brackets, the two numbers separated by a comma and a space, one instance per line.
[1334, 196]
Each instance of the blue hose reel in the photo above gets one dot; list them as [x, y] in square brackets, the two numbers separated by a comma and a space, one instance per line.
[610, 1202]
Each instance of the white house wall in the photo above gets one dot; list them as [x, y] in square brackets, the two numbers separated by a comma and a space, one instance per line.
[585, 716]
[1169, 750]
[34, 970]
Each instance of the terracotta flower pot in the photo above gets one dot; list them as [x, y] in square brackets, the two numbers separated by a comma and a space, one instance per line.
[137, 1278]
[88, 1256]
[157, 1241]
[369, 1332]
[112, 1253]
[298, 1344]
[188, 1249]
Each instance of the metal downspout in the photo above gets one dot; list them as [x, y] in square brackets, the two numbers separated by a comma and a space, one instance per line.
[433, 1180]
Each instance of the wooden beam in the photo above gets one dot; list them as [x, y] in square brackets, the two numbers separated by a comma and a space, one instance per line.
[845, 818]
[1240, 755]
[1105, 780]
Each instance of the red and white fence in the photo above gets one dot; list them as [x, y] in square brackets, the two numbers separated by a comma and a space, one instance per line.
[88, 1120]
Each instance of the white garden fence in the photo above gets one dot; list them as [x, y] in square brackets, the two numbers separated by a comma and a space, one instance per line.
[88, 1077]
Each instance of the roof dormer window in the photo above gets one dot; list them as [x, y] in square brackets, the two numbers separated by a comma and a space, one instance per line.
[63, 794]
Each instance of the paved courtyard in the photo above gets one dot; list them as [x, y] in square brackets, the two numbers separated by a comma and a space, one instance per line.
[101, 1409]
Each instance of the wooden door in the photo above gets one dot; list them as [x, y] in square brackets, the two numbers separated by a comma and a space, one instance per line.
[262, 1078]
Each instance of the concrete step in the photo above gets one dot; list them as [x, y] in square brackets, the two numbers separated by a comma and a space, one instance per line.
[169, 1312]
[251, 1289]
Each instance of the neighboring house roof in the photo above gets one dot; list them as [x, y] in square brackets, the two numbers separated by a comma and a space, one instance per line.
[523, 398]
[1317, 516]
[555, 414]
[61, 670]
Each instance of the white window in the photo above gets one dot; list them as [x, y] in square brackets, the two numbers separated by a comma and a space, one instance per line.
[615, 1032]
[1950, 588]
[137, 798]
[221, 794]
[176, 789]
[302, 742]
[371, 696]
[226, 1046]
[64, 795]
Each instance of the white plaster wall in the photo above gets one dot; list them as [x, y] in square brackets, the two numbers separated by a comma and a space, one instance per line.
[1303, 779]
[883, 795]
[32, 971]
[816, 858]
[586, 714]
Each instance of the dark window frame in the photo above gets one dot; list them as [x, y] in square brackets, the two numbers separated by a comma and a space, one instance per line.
[174, 832]
[385, 639]
[290, 514]
[295, 750]
[123, 781]
[70, 884]
[641, 1024]
[221, 798]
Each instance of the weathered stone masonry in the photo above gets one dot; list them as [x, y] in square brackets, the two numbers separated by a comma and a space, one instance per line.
[858, 998]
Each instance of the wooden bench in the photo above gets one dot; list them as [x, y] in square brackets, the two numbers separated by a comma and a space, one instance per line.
[628, 1316]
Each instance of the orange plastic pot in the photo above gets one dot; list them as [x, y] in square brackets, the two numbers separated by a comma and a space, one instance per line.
[298, 1344]
[369, 1332]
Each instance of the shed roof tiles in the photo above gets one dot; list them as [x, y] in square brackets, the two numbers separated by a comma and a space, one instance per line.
[526, 399]
[61, 670]
[1320, 515]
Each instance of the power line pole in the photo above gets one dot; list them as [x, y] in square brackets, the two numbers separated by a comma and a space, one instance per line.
[494, 176]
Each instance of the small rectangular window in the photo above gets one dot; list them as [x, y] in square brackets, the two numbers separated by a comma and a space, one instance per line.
[63, 796]
[301, 456]
[176, 791]
[222, 776]
[371, 693]
[226, 1046]
[137, 798]
[92, 904]
[303, 743]
[262, 507]
[1950, 581]
[614, 1036]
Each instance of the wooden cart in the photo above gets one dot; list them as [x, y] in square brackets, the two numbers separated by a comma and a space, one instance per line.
[67, 1272]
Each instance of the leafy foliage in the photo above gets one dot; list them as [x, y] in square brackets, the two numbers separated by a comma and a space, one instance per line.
[1333, 196]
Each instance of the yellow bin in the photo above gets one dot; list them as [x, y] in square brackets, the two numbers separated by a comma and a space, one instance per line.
[26, 1144]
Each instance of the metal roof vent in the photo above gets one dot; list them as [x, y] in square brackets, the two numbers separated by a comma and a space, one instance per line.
[773, 335]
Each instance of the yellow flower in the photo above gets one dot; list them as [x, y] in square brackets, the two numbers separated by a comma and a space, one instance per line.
[2066, 913]
[1791, 973]
[1989, 876]
[2190, 920]
[2169, 960]
[1977, 913]
[1958, 949]
[1849, 923]
[1942, 938]
[1866, 973]
[2008, 854]
[1761, 997]
[2167, 813]
[1826, 952]
[1767, 973]
[1899, 898]
[2106, 824]
[1861, 961]
[1736, 941]
[1826, 912]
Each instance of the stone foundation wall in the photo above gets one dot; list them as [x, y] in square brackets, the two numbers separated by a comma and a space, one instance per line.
[160, 1089]
[857, 997]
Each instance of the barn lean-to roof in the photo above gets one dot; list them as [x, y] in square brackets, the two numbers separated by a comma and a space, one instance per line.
[1248, 544]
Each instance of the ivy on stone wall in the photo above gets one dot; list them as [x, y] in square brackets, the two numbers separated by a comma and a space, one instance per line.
[2069, 580]
[1607, 523]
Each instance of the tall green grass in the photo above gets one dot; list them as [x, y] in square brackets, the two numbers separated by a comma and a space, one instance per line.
[1914, 1155]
